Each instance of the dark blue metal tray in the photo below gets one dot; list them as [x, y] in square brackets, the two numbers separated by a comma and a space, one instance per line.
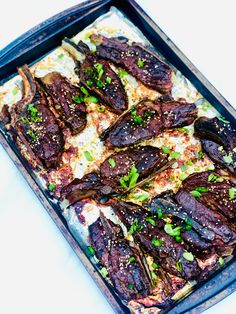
[32, 46]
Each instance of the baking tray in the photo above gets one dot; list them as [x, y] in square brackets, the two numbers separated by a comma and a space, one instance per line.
[32, 46]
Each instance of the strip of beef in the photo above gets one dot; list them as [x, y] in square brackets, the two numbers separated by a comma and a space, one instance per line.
[89, 186]
[198, 238]
[146, 160]
[216, 193]
[35, 125]
[64, 94]
[148, 119]
[98, 77]
[122, 261]
[138, 60]
[209, 219]
[218, 139]
[153, 240]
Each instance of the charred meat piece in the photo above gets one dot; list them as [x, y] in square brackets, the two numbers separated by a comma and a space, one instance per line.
[218, 139]
[138, 60]
[149, 233]
[216, 192]
[35, 125]
[209, 219]
[64, 94]
[123, 263]
[148, 119]
[90, 186]
[99, 78]
[145, 159]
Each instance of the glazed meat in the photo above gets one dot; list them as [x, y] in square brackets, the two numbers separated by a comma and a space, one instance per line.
[99, 78]
[122, 261]
[148, 119]
[149, 233]
[146, 160]
[218, 140]
[35, 125]
[90, 186]
[207, 218]
[140, 62]
[64, 94]
[216, 193]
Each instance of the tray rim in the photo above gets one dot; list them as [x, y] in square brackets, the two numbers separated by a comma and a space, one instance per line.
[18, 160]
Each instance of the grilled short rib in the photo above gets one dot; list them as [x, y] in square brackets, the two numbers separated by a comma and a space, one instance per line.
[138, 60]
[122, 261]
[148, 232]
[146, 159]
[216, 194]
[34, 123]
[64, 94]
[99, 78]
[148, 119]
[218, 140]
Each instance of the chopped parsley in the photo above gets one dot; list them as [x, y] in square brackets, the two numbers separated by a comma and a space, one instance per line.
[91, 250]
[214, 178]
[232, 193]
[122, 73]
[112, 162]
[132, 259]
[179, 266]
[228, 159]
[188, 256]
[51, 187]
[140, 63]
[130, 180]
[135, 227]
[157, 242]
[88, 156]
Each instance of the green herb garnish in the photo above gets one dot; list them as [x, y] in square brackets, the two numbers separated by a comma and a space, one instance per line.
[159, 213]
[140, 63]
[130, 180]
[91, 250]
[188, 256]
[214, 178]
[101, 109]
[221, 261]
[99, 84]
[88, 156]
[24, 119]
[179, 266]
[165, 149]
[175, 155]
[184, 130]
[199, 154]
[130, 286]
[112, 162]
[197, 192]
[188, 225]
[33, 111]
[51, 187]
[84, 91]
[89, 83]
[132, 259]
[99, 68]
[157, 242]
[150, 220]
[91, 99]
[141, 197]
[173, 232]
[183, 176]
[103, 271]
[153, 275]
[78, 99]
[122, 73]
[228, 159]
[135, 227]
[32, 135]
[232, 193]
[221, 118]
[108, 80]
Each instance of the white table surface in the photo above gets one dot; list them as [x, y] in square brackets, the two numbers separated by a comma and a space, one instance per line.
[39, 272]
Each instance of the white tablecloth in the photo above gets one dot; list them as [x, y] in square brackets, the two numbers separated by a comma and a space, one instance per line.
[39, 272]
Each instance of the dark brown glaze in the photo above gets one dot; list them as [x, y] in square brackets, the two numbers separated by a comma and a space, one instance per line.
[41, 135]
[209, 219]
[114, 252]
[167, 254]
[148, 119]
[218, 141]
[146, 159]
[138, 60]
[5, 116]
[217, 196]
[104, 83]
[89, 186]
[62, 92]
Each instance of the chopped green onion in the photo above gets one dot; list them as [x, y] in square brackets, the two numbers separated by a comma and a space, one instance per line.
[101, 109]
[112, 162]
[189, 224]
[130, 180]
[89, 83]
[91, 250]
[199, 154]
[184, 130]
[214, 178]
[165, 149]
[130, 286]
[108, 80]
[51, 187]
[178, 239]
[154, 266]
[103, 271]
[157, 242]
[159, 213]
[32, 135]
[99, 84]
[122, 73]
[150, 220]
[91, 99]
[232, 193]
[175, 155]
[140, 63]
[221, 261]
[14, 91]
[183, 176]
[78, 99]
[141, 197]
[132, 259]
[228, 159]
[99, 68]
[195, 193]
[84, 91]
[135, 227]
[88, 156]
[188, 256]
[153, 275]
[179, 266]
[221, 118]
[24, 119]
[173, 232]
